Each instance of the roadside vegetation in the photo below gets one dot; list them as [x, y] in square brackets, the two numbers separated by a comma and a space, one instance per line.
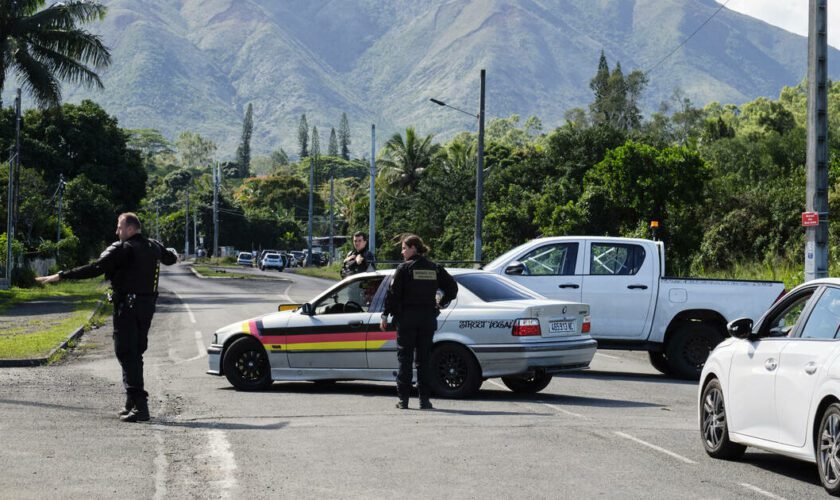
[35, 336]
[330, 272]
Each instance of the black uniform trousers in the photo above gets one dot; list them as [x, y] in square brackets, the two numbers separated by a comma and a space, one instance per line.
[132, 320]
[415, 330]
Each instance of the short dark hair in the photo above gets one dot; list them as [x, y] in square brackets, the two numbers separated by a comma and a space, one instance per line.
[360, 233]
[131, 219]
[412, 240]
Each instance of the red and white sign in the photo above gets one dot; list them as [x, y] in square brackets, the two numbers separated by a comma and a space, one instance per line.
[810, 219]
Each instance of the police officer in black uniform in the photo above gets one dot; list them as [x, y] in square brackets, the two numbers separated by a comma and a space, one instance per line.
[360, 259]
[132, 265]
[412, 301]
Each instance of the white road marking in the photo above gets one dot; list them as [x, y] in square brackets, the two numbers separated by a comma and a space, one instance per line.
[606, 355]
[219, 448]
[761, 492]
[285, 294]
[161, 465]
[186, 306]
[654, 447]
[561, 410]
[202, 351]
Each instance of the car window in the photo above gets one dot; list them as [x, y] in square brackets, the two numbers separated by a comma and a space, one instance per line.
[824, 319]
[615, 259]
[558, 259]
[356, 296]
[782, 322]
[492, 288]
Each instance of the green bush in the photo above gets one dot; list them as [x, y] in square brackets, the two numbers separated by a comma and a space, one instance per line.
[23, 277]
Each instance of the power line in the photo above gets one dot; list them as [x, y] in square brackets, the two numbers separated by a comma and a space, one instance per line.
[687, 39]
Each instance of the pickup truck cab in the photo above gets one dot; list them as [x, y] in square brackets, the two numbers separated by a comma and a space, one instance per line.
[633, 306]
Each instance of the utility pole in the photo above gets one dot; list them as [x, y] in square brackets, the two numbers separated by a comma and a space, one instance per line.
[195, 229]
[479, 177]
[372, 195]
[816, 164]
[308, 261]
[332, 202]
[216, 211]
[11, 207]
[187, 227]
[58, 228]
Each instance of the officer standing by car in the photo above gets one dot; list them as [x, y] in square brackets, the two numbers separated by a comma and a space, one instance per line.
[132, 265]
[360, 259]
[412, 301]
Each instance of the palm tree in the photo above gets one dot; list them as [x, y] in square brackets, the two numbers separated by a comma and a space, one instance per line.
[403, 161]
[45, 46]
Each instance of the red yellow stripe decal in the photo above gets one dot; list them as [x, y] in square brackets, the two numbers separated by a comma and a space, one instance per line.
[321, 341]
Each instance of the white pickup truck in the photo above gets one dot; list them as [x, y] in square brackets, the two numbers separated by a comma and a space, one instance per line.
[632, 304]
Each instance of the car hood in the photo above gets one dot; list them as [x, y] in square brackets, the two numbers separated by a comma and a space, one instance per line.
[243, 326]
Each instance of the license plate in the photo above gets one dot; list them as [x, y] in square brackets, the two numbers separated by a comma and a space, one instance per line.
[564, 326]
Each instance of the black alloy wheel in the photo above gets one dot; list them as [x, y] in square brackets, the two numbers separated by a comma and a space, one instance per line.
[246, 365]
[455, 372]
[527, 384]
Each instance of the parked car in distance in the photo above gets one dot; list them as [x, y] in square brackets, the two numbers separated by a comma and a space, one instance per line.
[774, 384]
[245, 259]
[272, 261]
[262, 255]
[288, 259]
[635, 306]
[298, 255]
[495, 328]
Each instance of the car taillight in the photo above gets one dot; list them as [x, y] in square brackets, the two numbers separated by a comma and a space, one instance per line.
[584, 328]
[525, 327]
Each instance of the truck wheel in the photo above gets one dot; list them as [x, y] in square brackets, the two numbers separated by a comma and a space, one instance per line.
[455, 372]
[660, 362]
[246, 365]
[527, 384]
[689, 348]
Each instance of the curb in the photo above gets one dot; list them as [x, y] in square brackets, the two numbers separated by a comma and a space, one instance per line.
[18, 363]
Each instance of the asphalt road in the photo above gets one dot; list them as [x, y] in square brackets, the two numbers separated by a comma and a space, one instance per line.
[618, 430]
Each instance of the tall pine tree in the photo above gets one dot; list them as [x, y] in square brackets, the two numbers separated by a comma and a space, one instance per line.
[344, 136]
[303, 137]
[315, 151]
[333, 147]
[243, 152]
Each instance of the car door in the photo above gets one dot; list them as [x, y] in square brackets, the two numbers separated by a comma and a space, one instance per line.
[334, 335]
[618, 284]
[803, 363]
[751, 394]
[552, 270]
[381, 346]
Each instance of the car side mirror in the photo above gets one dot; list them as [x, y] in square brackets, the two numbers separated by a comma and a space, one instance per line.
[515, 268]
[307, 309]
[740, 328]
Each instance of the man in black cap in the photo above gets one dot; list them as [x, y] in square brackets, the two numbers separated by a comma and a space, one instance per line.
[132, 265]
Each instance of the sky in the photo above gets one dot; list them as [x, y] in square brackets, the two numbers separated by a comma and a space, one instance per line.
[791, 15]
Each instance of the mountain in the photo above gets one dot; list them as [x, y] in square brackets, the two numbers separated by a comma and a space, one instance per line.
[196, 64]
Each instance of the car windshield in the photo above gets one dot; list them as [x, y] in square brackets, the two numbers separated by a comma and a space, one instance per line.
[492, 288]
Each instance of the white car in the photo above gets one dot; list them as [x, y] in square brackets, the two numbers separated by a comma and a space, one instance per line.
[272, 261]
[495, 328]
[775, 385]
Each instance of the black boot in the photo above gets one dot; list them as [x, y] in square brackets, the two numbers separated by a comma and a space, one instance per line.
[425, 404]
[140, 412]
[129, 405]
[402, 404]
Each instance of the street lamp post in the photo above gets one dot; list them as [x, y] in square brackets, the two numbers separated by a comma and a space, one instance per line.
[479, 169]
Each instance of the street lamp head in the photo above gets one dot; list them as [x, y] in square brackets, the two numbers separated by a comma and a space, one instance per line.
[439, 103]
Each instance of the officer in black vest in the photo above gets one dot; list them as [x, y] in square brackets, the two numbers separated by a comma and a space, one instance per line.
[412, 301]
[132, 265]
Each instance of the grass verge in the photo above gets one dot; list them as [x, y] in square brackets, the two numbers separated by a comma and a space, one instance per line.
[213, 272]
[330, 272]
[35, 336]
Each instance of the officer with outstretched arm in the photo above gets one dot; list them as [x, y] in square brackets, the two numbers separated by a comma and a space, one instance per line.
[132, 265]
[412, 301]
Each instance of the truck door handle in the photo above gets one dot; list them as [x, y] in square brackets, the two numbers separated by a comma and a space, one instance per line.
[770, 364]
[568, 285]
[640, 287]
[810, 368]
